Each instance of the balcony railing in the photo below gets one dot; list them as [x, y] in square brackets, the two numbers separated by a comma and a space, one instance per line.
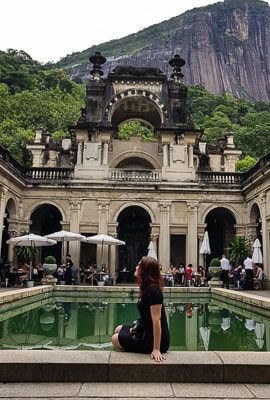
[220, 178]
[50, 174]
[135, 175]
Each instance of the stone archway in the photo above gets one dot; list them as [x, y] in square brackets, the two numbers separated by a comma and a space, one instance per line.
[47, 219]
[136, 104]
[134, 228]
[221, 229]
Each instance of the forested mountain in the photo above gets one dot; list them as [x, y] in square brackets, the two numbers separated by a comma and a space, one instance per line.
[34, 96]
[226, 46]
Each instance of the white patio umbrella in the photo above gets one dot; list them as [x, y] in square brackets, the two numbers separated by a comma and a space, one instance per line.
[65, 236]
[205, 335]
[205, 246]
[151, 250]
[257, 254]
[31, 240]
[103, 240]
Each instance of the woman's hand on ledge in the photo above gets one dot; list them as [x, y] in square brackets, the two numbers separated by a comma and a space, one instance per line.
[157, 356]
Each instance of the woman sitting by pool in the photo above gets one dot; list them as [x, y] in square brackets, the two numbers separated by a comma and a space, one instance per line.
[151, 334]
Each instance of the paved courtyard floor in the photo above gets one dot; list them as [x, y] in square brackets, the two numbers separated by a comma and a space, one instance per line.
[134, 391]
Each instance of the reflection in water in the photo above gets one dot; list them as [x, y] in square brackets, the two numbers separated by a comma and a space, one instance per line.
[90, 324]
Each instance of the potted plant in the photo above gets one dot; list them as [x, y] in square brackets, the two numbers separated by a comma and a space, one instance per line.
[215, 271]
[29, 255]
[49, 265]
[238, 250]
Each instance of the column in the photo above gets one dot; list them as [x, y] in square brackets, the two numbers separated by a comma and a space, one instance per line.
[190, 155]
[113, 253]
[265, 236]
[103, 215]
[75, 246]
[80, 153]
[164, 237]
[165, 154]
[192, 331]
[192, 243]
[3, 193]
[12, 233]
[105, 153]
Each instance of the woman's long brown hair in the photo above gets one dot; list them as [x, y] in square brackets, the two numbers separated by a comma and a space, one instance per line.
[149, 274]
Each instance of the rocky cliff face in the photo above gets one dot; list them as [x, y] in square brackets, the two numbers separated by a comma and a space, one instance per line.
[226, 47]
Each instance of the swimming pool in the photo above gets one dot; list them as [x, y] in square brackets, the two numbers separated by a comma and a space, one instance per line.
[64, 321]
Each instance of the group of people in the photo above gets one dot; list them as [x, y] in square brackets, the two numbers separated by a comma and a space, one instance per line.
[243, 276]
[186, 275]
[13, 276]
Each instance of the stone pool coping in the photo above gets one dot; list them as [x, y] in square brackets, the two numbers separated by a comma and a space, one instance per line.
[112, 366]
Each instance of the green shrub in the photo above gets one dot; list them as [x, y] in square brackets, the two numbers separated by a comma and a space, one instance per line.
[215, 262]
[50, 260]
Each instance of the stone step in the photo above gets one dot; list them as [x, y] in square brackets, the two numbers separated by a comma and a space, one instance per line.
[112, 366]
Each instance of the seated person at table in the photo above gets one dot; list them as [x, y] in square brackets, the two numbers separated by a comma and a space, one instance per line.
[91, 274]
[25, 273]
[202, 278]
[60, 273]
[182, 273]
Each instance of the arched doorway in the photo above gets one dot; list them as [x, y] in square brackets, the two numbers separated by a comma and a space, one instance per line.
[221, 229]
[46, 219]
[256, 221]
[134, 229]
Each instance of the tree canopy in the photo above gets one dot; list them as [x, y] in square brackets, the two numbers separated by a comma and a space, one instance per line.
[33, 95]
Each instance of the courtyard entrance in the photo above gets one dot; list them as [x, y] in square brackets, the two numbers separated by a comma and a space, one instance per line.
[134, 229]
[221, 229]
[46, 219]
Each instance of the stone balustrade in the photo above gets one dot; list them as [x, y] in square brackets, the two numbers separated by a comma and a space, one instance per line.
[135, 175]
[219, 178]
[48, 173]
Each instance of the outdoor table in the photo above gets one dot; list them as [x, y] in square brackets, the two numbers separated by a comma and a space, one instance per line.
[15, 276]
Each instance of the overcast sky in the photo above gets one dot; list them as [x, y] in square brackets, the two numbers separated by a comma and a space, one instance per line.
[50, 29]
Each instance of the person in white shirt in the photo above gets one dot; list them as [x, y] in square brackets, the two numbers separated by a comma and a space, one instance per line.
[225, 268]
[248, 265]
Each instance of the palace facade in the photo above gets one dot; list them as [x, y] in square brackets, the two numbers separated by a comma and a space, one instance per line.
[168, 190]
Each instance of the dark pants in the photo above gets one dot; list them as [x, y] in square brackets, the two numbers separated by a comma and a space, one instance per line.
[249, 278]
[225, 278]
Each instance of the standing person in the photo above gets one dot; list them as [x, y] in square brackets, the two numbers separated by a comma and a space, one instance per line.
[189, 272]
[248, 265]
[225, 269]
[154, 335]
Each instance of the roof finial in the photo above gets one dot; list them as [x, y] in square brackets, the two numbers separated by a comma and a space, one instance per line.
[177, 62]
[97, 60]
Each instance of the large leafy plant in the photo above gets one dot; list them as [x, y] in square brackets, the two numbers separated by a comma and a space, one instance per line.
[238, 249]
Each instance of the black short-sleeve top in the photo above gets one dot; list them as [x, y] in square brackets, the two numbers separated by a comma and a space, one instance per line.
[151, 296]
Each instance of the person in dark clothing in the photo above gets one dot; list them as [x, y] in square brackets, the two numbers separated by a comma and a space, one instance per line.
[154, 337]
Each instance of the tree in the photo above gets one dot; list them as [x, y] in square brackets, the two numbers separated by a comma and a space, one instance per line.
[246, 163]
[238, 249]
[128, 129]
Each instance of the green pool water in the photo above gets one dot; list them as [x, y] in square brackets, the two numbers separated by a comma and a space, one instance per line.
[196, 324]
